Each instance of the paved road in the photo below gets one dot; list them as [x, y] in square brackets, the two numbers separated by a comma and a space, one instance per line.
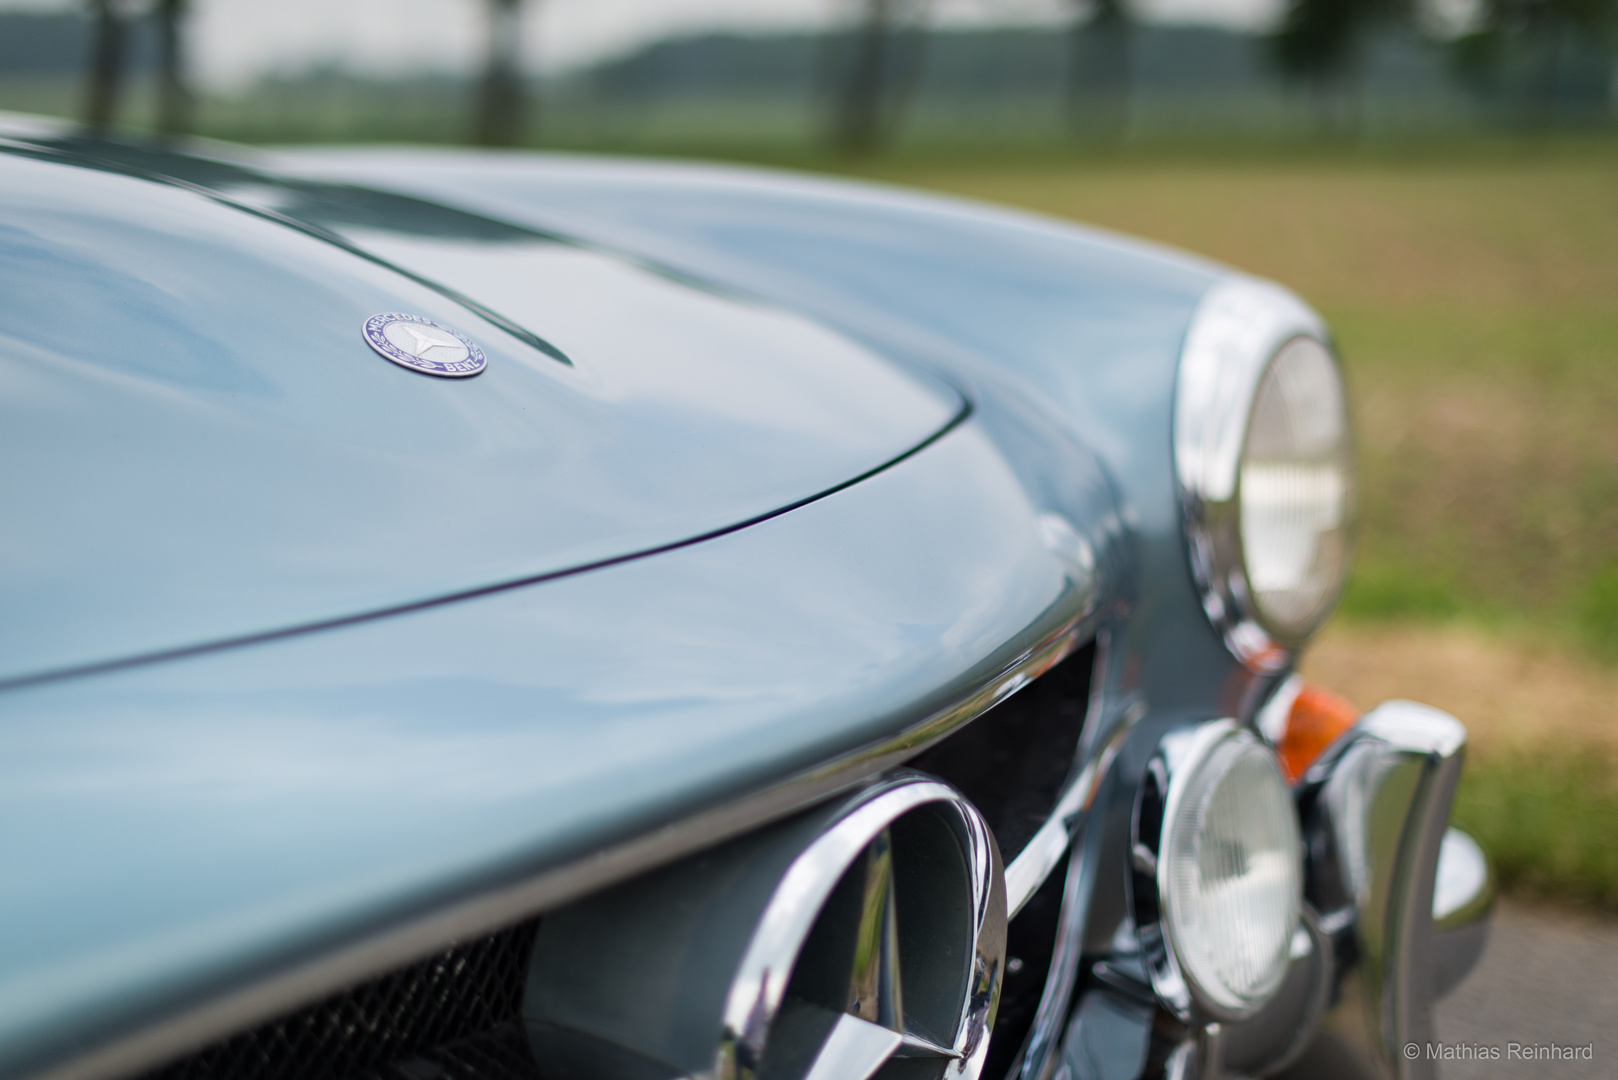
[1546, 977]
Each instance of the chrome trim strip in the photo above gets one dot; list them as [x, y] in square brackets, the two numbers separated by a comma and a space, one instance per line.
[1037, 1059]
[1272, 717]
[1043, 854]
[300, 982]
[1238, 326]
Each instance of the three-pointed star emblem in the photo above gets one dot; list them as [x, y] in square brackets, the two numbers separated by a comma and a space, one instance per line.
[420, 344]
[870, 1028]
[425, 337]
[878, 953]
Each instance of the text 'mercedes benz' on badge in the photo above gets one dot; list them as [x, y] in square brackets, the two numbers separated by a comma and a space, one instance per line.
[423, 345]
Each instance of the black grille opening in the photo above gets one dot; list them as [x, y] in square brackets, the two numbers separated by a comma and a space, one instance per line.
[453, 1016]
[1013, 760]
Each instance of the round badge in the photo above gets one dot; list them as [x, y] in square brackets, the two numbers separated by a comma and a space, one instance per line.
[423, 345]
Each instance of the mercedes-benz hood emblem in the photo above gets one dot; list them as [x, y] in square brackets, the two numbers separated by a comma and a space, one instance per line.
[423, 345]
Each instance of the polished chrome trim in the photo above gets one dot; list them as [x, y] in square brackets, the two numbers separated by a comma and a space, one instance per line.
[1239, 325]
[1272, 717]
[232, 1009]
[1037, 1058]
[1043, 854]
[760, 982]
[1463, 896]
[1463, 890]
[1383, 797]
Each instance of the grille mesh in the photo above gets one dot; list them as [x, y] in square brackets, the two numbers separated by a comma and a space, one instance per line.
[452, 1016]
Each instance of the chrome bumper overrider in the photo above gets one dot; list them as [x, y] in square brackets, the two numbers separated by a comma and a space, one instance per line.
[1400, 900]
[1375, 813]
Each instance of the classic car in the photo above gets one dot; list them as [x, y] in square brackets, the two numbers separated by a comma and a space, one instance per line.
[524, 616]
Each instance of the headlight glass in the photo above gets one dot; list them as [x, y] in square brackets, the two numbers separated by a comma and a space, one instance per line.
[1230, 876]
[1263, 459]
[1296, 489]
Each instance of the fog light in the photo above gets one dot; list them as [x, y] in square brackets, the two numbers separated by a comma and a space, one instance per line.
[1228, 873]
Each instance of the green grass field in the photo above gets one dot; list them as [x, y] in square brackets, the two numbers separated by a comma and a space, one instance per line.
[1547, 819]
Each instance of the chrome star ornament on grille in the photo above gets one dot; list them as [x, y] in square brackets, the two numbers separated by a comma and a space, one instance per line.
[876, 976]
[871, 1028]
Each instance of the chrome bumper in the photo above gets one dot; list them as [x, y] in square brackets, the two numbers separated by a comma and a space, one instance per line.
[1401, 897]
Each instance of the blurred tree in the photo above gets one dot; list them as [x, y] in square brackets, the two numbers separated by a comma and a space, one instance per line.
[1323, 43]
[1099, 69]
[103, 81]
[174, 100]
[1537, 41]
[501, 104]
[877, 75]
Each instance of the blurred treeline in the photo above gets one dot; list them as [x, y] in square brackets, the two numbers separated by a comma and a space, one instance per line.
[1342, 69]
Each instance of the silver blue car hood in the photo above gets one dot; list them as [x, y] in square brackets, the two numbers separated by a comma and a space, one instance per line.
[200, 446]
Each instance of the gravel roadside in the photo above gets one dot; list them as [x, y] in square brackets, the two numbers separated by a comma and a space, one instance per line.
[1547, 978]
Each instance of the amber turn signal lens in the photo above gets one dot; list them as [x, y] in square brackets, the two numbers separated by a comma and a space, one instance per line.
[1316, 720]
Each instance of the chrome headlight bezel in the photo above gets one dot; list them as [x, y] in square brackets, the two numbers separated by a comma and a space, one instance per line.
[1238, 330]
[1188, 765]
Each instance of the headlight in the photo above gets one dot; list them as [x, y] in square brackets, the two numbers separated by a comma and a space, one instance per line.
[1225, 877]
[1263, 457]
[1294, 486]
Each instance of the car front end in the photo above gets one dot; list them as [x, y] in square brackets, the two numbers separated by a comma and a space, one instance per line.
[794, 630]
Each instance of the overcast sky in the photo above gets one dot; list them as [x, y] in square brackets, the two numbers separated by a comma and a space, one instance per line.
[237, 41]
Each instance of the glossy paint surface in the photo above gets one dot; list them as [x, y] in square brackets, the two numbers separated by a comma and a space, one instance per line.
[1068, 332]
[201, 445]
[185, 826]
[174, 828]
